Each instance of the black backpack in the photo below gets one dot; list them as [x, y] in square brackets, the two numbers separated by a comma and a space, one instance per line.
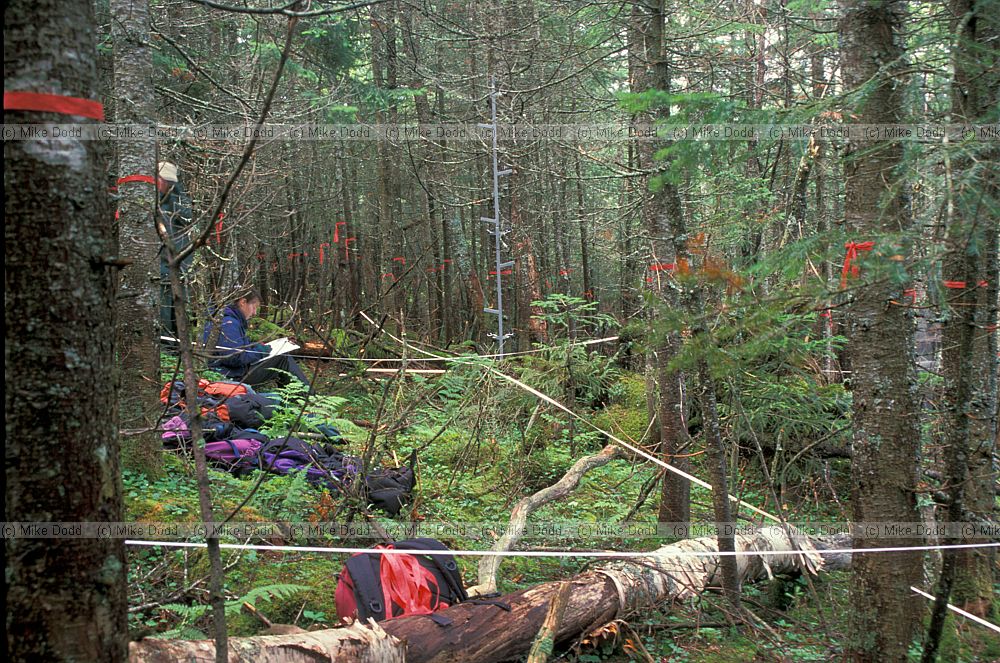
[389, 488]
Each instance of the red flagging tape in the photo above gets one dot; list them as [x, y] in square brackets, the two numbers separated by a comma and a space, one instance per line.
[960, 285]
[52, 103]
[851, 260]
[148, 179]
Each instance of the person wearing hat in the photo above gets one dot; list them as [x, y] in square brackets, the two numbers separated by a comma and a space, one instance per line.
[175, 211]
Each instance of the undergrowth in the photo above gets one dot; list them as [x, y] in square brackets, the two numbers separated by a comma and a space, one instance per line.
[482, 445]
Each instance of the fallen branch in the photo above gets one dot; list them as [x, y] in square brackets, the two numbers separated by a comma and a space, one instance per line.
[488, 566]
[487, 633]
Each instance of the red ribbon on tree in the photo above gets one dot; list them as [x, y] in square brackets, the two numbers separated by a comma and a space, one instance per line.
[218, 228]
[960, 285]
[148, 179]
[851, 260]
[52, 103]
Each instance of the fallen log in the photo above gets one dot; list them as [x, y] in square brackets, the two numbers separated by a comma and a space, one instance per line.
[486, 633]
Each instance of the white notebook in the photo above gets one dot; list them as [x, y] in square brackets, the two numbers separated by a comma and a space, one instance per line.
[280, 347]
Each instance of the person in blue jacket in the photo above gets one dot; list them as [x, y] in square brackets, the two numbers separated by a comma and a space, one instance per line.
[239, 358]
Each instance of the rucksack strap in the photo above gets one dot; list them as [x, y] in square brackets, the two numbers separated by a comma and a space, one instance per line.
[446, 564]
[367, 594]
[440, 619]
[500, 604]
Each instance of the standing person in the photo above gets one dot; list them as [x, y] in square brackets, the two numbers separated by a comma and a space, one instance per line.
[239, 358]
[175, 211]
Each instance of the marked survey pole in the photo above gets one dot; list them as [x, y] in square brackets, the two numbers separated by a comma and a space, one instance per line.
[494, 224]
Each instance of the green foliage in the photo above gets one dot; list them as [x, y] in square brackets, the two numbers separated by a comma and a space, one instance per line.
[189, 615]
[296, 414]
[563, 314]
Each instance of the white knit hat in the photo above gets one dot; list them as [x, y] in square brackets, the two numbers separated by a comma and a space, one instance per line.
[168, 171]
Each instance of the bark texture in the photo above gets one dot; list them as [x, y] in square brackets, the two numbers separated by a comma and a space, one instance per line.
[968, 315]
[885, 412]
[663, 221]
[138, 304]
[65, 598]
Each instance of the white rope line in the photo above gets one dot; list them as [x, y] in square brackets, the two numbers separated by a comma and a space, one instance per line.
[968, 615]
[555, 553]
[610, 436]
[431, 357]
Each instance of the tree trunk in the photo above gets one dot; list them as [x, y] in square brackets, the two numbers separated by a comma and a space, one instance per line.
[139, 298]
[485, 633]
[721, 506]
[65, 597]
[969, 352]
[664, 223]
[886, 435]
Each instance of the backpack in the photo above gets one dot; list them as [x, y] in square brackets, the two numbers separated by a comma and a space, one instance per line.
[177, 429]
[173, 391]
[233, 455]
[389, 488]
[251, 410]
[322, 464]
[212, 396]
[231, 448]
[388, 586]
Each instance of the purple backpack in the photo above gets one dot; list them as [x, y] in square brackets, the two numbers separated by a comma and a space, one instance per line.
[322, 464]
[236, 454]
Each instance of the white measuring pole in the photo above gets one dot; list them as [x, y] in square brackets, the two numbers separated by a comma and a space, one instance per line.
[494, 224]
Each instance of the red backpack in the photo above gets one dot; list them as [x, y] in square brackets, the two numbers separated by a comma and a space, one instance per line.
[399, 585]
